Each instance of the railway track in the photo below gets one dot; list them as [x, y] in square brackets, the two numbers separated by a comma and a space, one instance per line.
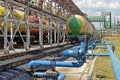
[14, 60]
[9, 56]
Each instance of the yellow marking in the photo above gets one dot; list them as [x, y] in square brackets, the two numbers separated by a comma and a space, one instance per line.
[83, 29]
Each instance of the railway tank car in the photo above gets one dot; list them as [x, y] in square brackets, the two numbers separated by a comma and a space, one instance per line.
[77, 26]
[34, 30]
[18, 15]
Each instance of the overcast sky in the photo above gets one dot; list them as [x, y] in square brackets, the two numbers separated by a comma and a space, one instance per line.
[95, 7]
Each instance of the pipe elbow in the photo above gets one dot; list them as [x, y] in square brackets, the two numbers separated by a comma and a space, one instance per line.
[31, 64]
[82, 51]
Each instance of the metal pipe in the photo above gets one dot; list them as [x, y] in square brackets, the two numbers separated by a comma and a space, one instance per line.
[69, 53]
[61, 76]
[92, 46]
[43, 74]
[100, 54]
[78, 52]
[76, 47]
[114, 60]
[83, 46]
[72, 53]
[36, 63]
[40, 74]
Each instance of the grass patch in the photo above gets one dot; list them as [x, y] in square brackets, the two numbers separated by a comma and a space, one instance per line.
[116, 41]
[103, 65]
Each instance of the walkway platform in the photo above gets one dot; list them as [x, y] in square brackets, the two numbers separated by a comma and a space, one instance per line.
[80, 73]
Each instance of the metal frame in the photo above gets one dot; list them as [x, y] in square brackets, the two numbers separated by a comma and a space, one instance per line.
[54, 15]
[5, 27]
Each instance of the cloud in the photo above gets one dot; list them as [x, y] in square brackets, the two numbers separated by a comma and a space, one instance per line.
[115, 5]
[96, 7]
[97, 3]
[92, 7]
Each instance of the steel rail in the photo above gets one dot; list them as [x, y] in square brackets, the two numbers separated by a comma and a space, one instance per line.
[20, 59]
[9, 56]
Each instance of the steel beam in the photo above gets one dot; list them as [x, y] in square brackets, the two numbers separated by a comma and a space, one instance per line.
[11, 29]
[51, 34]
[28, 32]
[41, 31]
[58, 34]
[5, 26]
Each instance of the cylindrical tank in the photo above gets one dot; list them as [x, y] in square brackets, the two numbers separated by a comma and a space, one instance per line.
[77, 25]
[17, 14]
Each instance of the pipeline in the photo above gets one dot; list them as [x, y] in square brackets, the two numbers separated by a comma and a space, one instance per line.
[79, 54]
[36, 63]
[81, 51]
[114, 60]
[61, 76]
[93, 45]
[72, 53]
[100, 54]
